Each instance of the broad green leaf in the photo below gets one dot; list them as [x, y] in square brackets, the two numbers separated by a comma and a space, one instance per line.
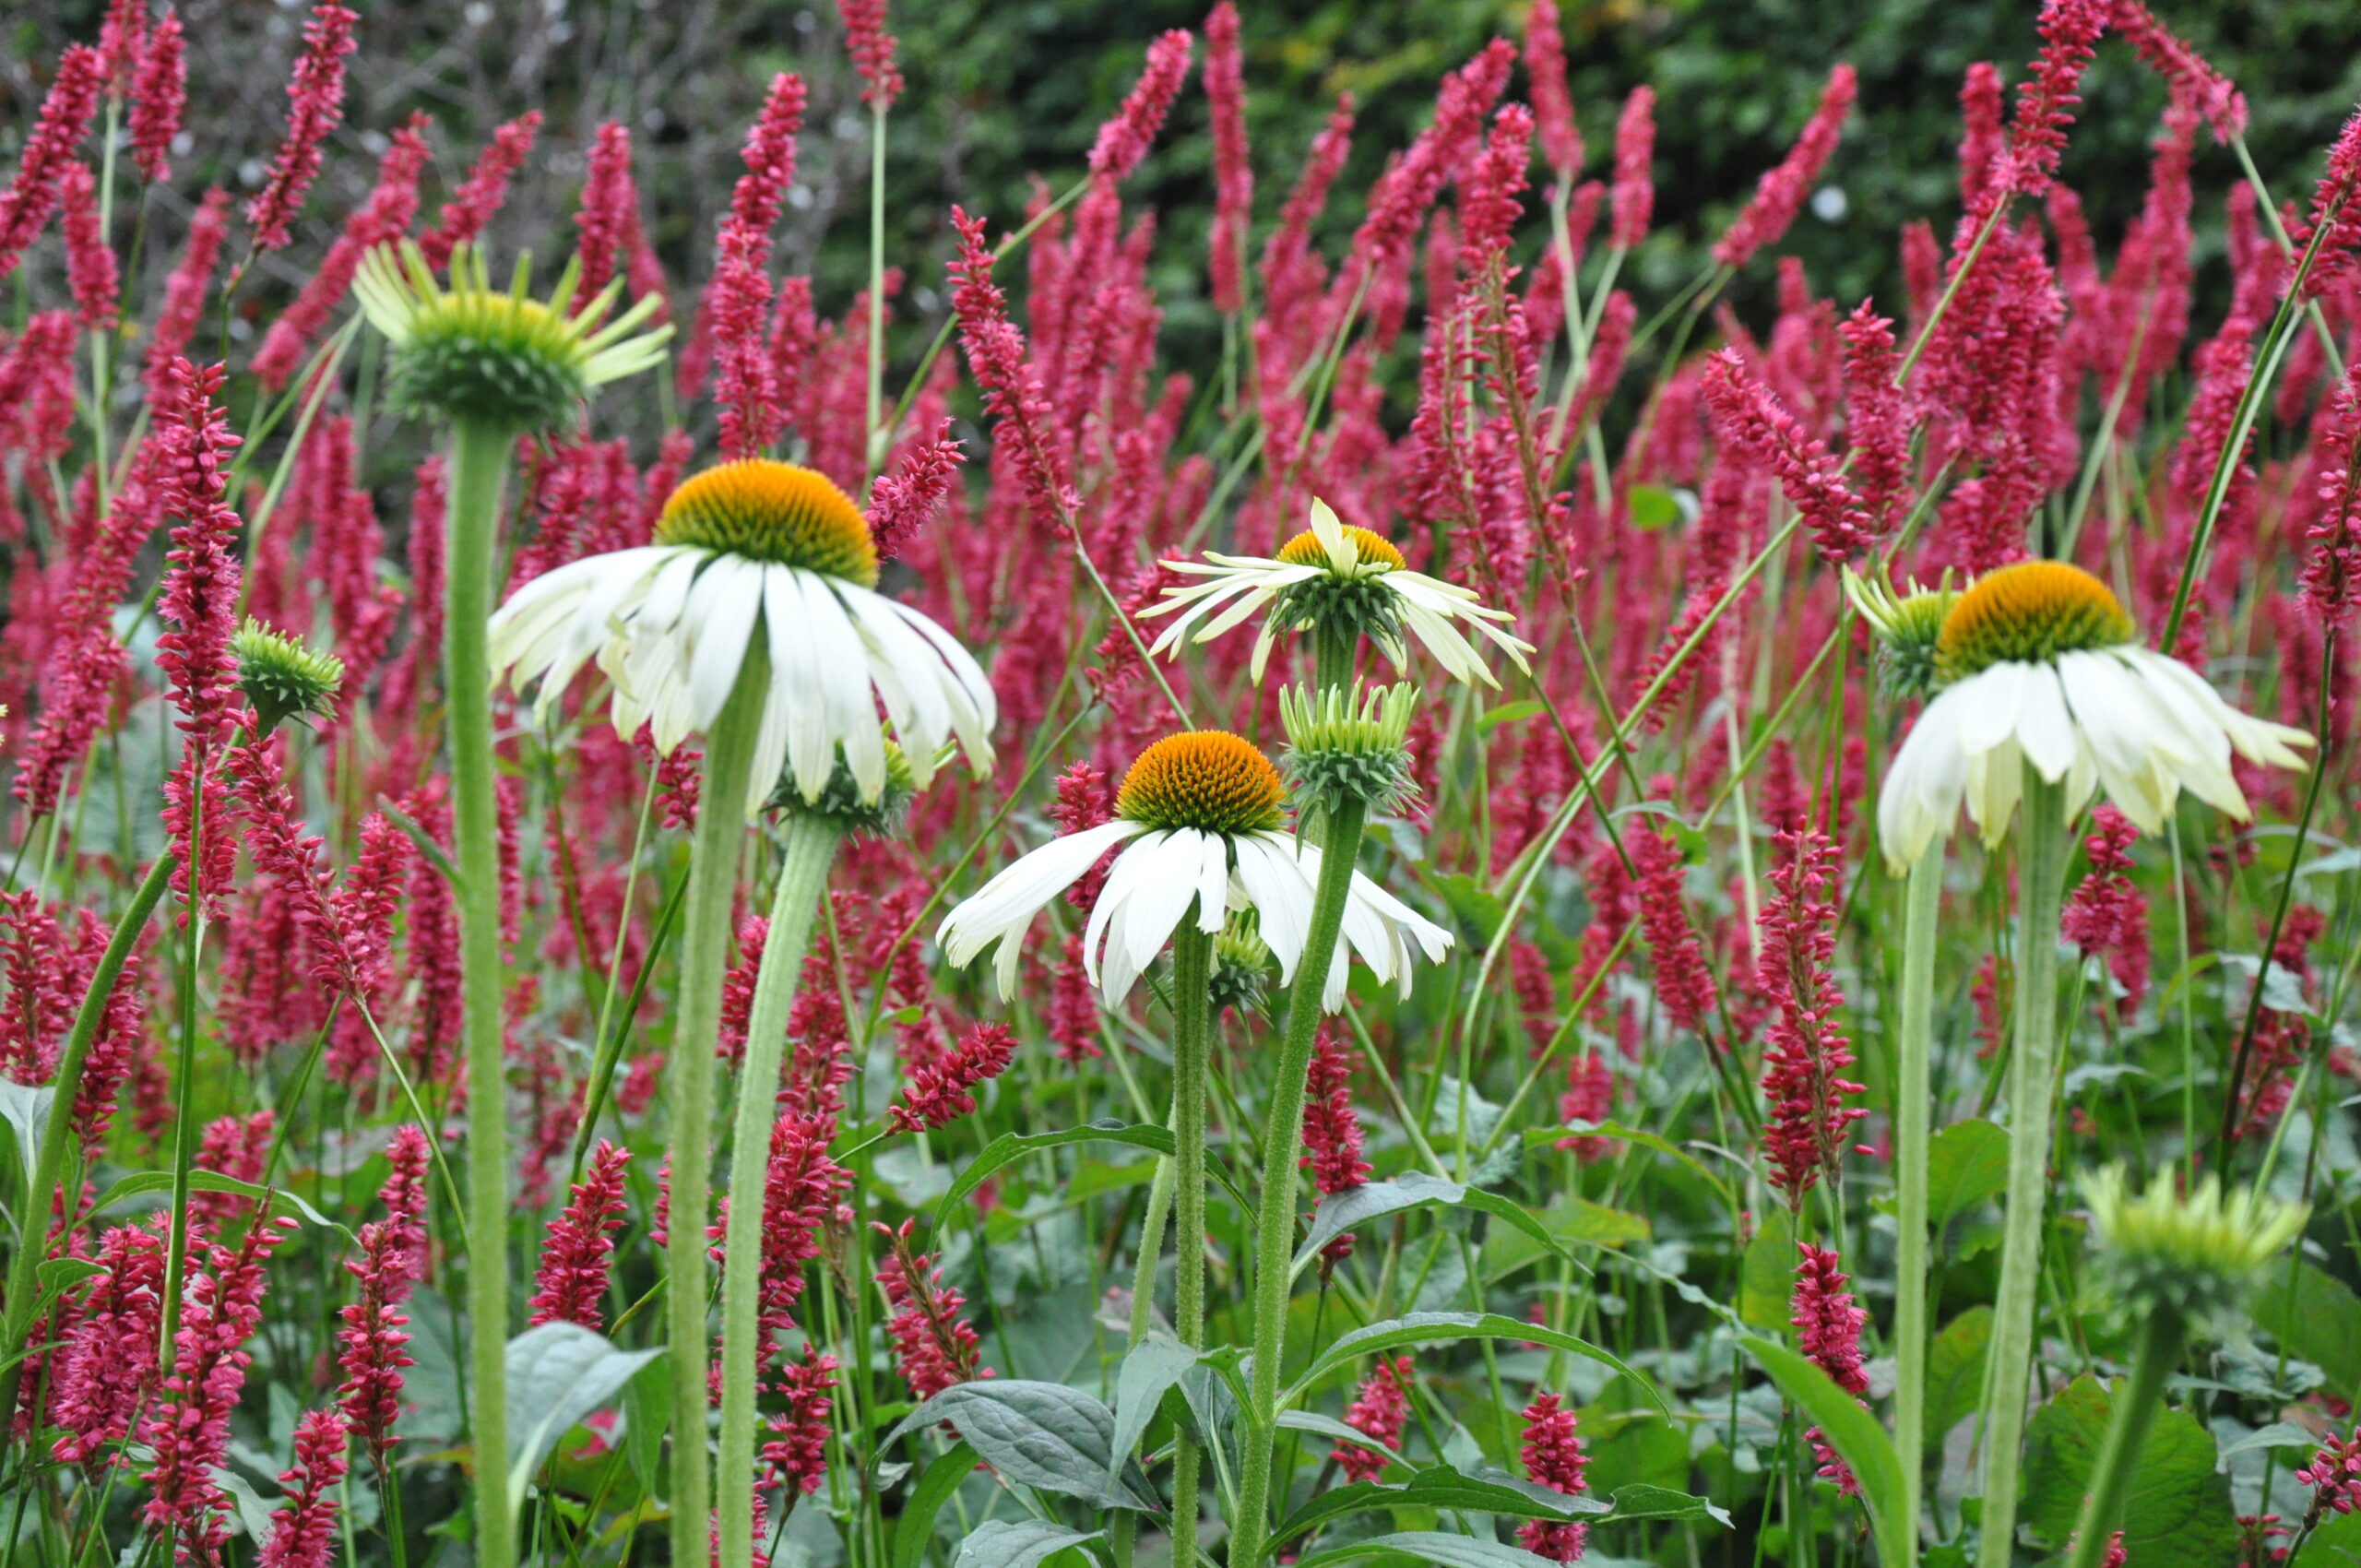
[1335, 1431]
[253, 1513]
[1149, 1368]
[26, 1109]
[2177, 1513]
[1851, 1431]
[1766, 1278]
[1652, 507]
[1009, 1147]
[1039, 1434]
[146, 1182]
[1955, 1371]
[54, 1276]
[1432, 1546]
[1573, 1220]
[558, 1373]
[2315, 1316]
[2336, 1544]
[1439, 1487]
[997, 1544]
[915, 1527]
[1967, 1162]
[1635, 1137]
[1426, 1328]
[647, 1410]
[1370, 1200]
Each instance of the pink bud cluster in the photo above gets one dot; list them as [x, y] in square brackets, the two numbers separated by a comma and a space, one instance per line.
[65, 115]
[570, 1284]
[1780, 194]
[1806, 1055]
[1827, 1329]
[1553, 1455]
[1381, 1411]
[935, 1346]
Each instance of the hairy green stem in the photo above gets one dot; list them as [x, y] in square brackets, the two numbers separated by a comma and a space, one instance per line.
[2162, 1338]
[2033, 1073]
[58, 1132]
[1192, 1047]
[809, 850]
[1922, 910]
[479, 469]
[1274, 1224]
[704, 953]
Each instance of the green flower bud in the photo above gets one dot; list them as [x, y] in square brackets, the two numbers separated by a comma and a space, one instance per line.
[1348, 746]
[282, 678]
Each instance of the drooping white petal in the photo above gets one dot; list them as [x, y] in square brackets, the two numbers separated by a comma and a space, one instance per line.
[1282, 898]
[1921, 794]
[2045, 730]
[722, 609]
[1333, 538]
[1008, 902]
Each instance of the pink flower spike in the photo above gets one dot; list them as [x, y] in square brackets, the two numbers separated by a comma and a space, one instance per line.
[1780, 194]
[871, 48]
[1632, 198]
[902, 504]
[1380, 1411]
[92, 271]
[935, 1346]
[1125, 139]
[1807, 1052]
[302, 1530]
[1233, 178]
[463, 218]
[185, 291]
[939, 1093]
[1750, 419]
[1827, 1329]
[607, 223]
[2190, 75]
[384, 216]
[571, 1282]
[159, 98]
[1553, 104]
[2047, 101]
[2333, 571]
[1553, 1455]
[65, 115]
[314, 109]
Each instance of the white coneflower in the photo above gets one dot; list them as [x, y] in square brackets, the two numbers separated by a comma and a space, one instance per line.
[1199, 820]
[1341, 580]
[2041, 667]
[742, 545]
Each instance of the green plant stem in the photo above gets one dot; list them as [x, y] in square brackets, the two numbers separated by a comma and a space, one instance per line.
[2032, 1070]
[1282, 1147]
[58, 1132]
[1191, 1048]
[876, 442]
[2162, 1338]
[479, 469]
[1912, 1097]
[810, 849]
[704, 952]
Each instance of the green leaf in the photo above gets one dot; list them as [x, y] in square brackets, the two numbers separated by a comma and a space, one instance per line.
[1637, 1137]
[1967, 1162]
[1766, 1277]
[1639, 1501]
[252, 1511]
[558, 1373]
[145, 1183]
[1574, 1221]
[2336, 1544]
[1653, 507]
[1425, 1329]
[1955, 1371]
[1507, 713]
[1372, 1199]
[1009, 1147]
[997, 1544]
[2315, 1316]
[1335, 1431]
[1149, 1369]
[1038, 1434]
[1432, 1546]
[2177, 1513]
[1439, 1487]
[54, 1276]
[647, 1410]
[1851, 1431]
[915, 1529]
[26, 1109]
[1477, 908]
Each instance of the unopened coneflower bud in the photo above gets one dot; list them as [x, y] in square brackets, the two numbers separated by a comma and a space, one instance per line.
[2194, 1254]
[1349, 745]
[473, 352]
[841, 804]
[1909, 628]
[1242, 964]
[282, 678]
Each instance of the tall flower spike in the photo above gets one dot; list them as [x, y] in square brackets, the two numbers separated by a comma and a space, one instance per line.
[1338, 581]
[1553, 1455]
[477, 354]
[1780, 194]
[314, 109]
[65, 115]
[746, 549]
[576, 1259]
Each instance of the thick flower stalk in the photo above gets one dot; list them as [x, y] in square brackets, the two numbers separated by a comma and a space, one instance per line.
[490, 365]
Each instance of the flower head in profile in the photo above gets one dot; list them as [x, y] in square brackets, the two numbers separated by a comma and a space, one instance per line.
[2037, 663]
[768, 561]
[471, 351]
[2194, 1254]
[1201, 820]
[1909, 627]
[1335, 576]
[283, 679]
